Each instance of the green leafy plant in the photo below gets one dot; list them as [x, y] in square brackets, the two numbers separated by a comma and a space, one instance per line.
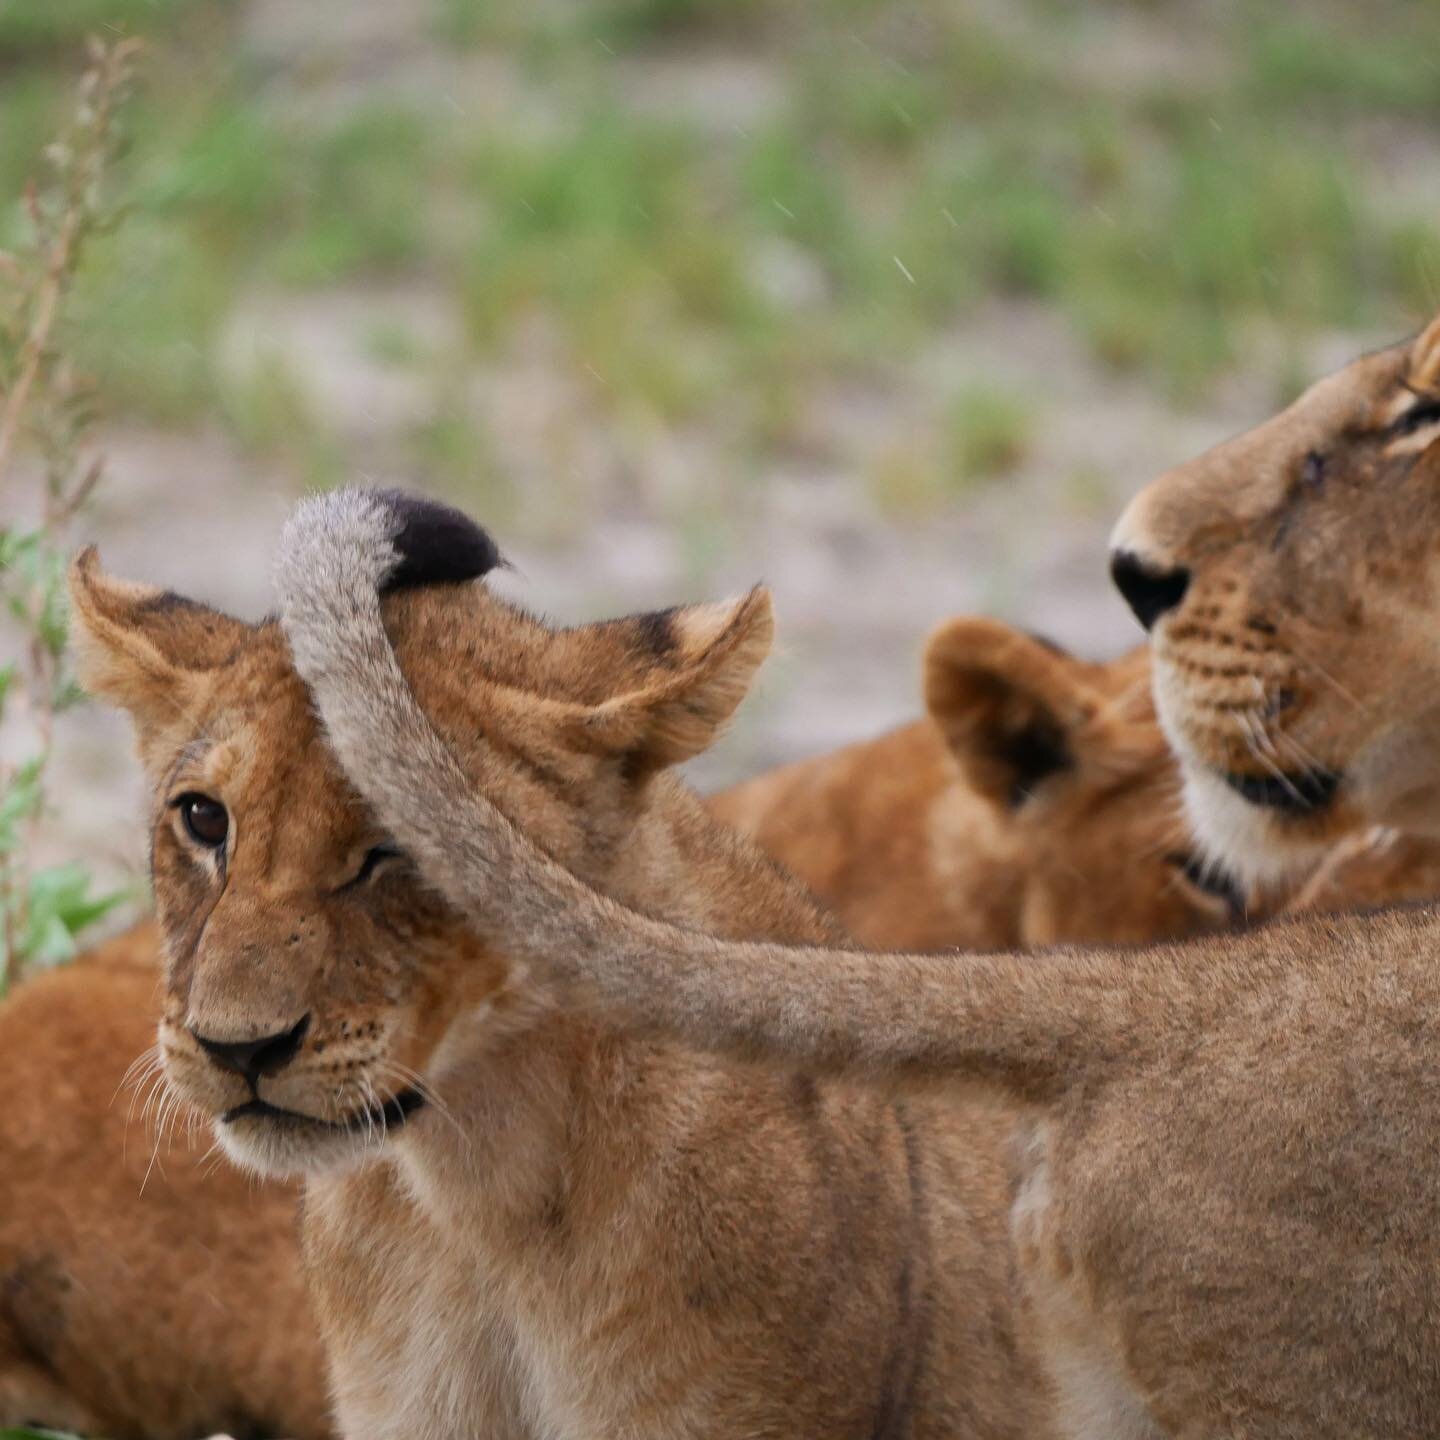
[45, 445]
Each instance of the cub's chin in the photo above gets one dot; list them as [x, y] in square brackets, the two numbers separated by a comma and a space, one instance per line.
[284, 1151]
[281, 1144]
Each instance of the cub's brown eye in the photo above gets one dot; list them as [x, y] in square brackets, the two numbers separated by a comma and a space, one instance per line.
[1312, 473]
[206, 821]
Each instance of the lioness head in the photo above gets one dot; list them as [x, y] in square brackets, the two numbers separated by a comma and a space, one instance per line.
[315, 989]
[1289, 581]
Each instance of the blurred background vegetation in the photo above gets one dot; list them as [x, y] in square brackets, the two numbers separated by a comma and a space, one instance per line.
[713, 207]
[890, 303]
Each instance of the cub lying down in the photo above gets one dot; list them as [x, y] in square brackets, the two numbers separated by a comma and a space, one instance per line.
[1037, 803]
[141, 1293]
[1226, 1215]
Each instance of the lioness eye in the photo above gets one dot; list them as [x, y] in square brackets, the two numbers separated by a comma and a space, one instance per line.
[1312, 473]
[206, 821]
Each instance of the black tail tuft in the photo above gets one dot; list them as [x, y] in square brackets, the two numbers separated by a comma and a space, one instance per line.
[437, 544]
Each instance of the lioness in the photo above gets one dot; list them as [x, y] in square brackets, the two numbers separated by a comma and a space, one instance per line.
[1226, 1206]
[516, 1221]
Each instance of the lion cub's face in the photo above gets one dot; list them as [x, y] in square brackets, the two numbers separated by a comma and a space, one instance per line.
[315, 991]
[311, 977]
[1289, 577]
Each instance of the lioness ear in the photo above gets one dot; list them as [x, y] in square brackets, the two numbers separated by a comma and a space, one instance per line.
[142, 648]
[709, 656]
[1424, 372]
[1008, 705]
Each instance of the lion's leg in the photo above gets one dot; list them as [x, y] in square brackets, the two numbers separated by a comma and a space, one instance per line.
[1095, 1399]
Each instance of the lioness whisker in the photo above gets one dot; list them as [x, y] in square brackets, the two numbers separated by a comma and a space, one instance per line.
[145, 1063]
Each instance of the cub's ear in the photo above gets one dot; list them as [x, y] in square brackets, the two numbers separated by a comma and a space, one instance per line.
[705, 659]
[142, 648]
[1009, 706]
[1424, 373]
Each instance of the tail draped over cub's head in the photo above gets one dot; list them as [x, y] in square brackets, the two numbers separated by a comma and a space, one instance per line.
[342, 553]
[925, 1018]
[259, 883]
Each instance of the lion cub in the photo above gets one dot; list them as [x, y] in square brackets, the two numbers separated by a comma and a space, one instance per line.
[1035, 803]
[518, 1222]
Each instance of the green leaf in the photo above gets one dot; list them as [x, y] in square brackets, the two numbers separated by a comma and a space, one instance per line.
[60, 907]
[48, 941]
[68, 693]
[58, 884]
[19, 800]
[16, 547]
[52, 623]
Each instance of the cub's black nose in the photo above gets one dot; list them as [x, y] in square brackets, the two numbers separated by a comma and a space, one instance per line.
[255, 1059]
[1149, 592]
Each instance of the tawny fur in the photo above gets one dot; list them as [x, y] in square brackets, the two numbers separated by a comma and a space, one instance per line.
[582, 1234]
[934, 836]
[1226, 1213]
[142, 1294]
[914, 849]
[1035, 803]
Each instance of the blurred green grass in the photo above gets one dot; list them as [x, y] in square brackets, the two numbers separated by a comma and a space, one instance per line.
[913, 163]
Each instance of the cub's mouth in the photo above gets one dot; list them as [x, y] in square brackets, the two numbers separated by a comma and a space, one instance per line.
[387, 1116]
[1306, 792]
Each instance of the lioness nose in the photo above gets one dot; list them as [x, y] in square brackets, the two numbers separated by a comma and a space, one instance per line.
[1148, 590]
[256, 1058]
